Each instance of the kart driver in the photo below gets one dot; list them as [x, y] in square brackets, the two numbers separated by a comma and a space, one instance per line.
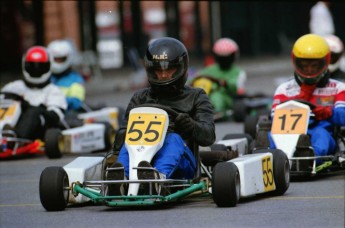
[69, 81]
[311, 57]
[337, 50]
[166, 62]
[231, 78]
[43, 104]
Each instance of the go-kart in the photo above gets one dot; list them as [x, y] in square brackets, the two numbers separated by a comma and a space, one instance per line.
[226, 170]
[245, 105]
[94, 131]
[289, 125]
[11, 145]
[94, 134]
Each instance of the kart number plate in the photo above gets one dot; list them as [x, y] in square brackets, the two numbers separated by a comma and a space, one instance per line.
[7, 112]
[145, 128]
[290, 121]
[267, 173]
[203, 83]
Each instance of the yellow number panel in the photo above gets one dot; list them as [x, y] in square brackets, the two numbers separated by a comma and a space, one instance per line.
[267, 173]
[290, 121]
[145, 128]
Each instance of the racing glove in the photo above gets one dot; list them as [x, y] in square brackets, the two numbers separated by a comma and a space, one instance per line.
[322, 112]
[306, 92]
[184, 125]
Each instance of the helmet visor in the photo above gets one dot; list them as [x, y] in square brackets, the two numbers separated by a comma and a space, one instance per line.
[310, 68]
[163, 71]
[60, 59]
[37, 69]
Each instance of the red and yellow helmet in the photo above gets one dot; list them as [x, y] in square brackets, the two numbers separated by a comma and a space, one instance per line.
[311, 57]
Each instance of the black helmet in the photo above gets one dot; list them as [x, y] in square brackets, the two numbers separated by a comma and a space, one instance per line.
[166, 56]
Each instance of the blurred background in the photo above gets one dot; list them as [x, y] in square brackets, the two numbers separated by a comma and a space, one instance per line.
[114, 34]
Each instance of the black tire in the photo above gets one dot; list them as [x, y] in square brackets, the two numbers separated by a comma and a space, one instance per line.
[226, 184]
[239, 111]
[250, 123]
[52, 139]
[53, 188]
[281, 170]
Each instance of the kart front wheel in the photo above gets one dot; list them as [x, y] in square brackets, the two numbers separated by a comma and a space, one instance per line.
[226, 184]
[54, 188]
[53, 141]
[281, 170]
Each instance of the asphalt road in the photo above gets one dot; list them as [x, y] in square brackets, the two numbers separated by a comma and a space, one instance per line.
[318, 202]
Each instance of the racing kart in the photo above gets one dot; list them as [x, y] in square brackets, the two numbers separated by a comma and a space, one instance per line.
[11, 146]
[245, 108]
[288, 129]
[227, 171]
[94, 134]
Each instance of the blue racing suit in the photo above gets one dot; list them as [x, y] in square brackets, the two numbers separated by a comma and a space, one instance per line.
[72, 85]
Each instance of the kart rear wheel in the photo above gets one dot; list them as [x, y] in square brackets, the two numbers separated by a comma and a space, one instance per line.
[226, 184]
[54, 188]
[53, 143]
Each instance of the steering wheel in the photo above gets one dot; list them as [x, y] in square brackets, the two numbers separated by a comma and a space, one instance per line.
[169, 110]
[219, 82]
[12, 96]
[311, 105]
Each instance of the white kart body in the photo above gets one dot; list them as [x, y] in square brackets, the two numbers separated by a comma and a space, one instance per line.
[140, 151]
[239, 144]
[288, 142]
[84, 139]
[109, 114]
[83, 169]
[250, 167]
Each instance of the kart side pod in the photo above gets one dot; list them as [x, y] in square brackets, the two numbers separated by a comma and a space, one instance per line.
[248, 175]
[83, 169]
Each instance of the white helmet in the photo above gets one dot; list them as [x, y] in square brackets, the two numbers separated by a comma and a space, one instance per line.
[36, 66]
[337, 49]
[61, 51]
